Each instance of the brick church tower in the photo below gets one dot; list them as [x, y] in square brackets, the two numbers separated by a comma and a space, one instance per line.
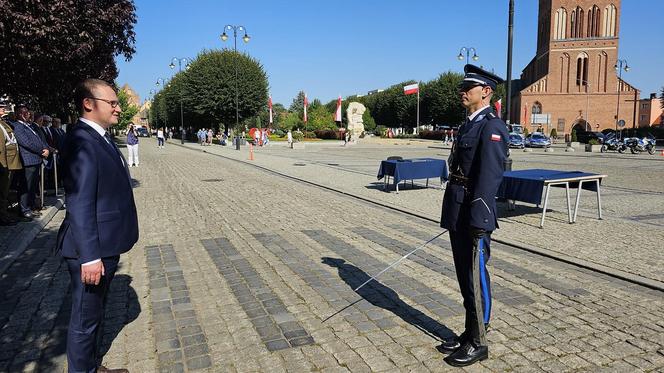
[572, 82]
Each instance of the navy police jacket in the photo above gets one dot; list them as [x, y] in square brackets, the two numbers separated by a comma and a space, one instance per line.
[101, 219]
[479, 153]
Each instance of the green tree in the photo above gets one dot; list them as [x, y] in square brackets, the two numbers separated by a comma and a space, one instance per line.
[369, 123]
[208, 90]
[320, 118]
[440, 102]
[298, 103]
[292, 121]
[128, 110]
[50, 45]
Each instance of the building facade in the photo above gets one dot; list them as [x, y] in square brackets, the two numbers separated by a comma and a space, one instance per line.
[651, 112]
[572, 83]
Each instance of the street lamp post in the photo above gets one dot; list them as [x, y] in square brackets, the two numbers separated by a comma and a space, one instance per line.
[245, 38]
[619, 66]
[172, 66]
[467, 51]
[162, 82]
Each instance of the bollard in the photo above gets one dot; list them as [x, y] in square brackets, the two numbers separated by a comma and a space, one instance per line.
[55, 172]
[41, 186]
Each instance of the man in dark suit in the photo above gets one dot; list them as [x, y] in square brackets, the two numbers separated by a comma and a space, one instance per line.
[33, 151]
[101, 221]
[469, 209]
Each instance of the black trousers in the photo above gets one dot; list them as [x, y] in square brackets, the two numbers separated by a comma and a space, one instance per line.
[29, 184]
[471, 256]
[87, 313]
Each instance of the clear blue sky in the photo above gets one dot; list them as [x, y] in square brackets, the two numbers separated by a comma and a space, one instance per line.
[327, 48]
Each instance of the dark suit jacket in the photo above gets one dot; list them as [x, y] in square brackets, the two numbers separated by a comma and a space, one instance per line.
[101, 219]
[30, 144]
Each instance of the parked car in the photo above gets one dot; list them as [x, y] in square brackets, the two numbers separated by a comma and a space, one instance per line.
[586, 136]
[142, 132]
[537, 140]
[516, 141]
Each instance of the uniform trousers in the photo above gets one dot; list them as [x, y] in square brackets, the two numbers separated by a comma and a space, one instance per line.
[87, 314]
[471, 256]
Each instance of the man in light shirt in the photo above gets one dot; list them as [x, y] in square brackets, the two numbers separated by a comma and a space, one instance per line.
[101, 221]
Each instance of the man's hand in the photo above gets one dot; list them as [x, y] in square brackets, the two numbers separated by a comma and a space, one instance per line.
[91, 273]
[45, 153]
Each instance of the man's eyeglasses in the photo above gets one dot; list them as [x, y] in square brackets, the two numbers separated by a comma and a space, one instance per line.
[113, 103]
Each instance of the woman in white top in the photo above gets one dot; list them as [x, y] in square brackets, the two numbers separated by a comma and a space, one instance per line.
[160, 137]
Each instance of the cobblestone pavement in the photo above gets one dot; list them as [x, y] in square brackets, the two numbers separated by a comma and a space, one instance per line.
[238, 269]
[631, 228]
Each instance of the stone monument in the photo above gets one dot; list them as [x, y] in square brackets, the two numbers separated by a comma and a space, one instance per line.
[354, 116]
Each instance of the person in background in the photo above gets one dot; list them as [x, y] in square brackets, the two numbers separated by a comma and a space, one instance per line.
[160, 138]
[10, 162]
[33, 151]
[132, 146]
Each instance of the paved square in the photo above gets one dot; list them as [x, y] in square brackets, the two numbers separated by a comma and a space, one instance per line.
[238, 267]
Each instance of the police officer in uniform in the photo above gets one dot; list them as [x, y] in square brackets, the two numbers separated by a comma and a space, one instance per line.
[469, 209]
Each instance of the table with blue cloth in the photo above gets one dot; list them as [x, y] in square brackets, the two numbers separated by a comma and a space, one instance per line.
[411, 169]
[528, 185]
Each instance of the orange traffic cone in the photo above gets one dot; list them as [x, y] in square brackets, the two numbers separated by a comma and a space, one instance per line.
[662, 153]
[251, 152]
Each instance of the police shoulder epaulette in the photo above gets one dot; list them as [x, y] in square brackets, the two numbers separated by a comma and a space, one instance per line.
[491, 115]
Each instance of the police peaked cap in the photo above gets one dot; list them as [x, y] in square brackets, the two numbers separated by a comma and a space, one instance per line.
[481, 77]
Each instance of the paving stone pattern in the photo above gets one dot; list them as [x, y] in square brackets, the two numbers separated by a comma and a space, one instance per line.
[181, 344]
[300, 242]
[504, 265]
[385, 292]
[277, 327]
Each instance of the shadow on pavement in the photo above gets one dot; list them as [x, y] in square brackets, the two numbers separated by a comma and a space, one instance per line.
[382, 296]
[379, 185]
[122, 307]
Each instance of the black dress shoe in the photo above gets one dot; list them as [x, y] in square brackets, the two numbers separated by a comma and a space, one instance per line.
[451, 344]
[467, 354]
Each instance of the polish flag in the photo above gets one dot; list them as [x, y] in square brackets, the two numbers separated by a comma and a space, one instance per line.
[337, 113]
[306, 103]
[269, 105]
[499, 106]
[410, 89]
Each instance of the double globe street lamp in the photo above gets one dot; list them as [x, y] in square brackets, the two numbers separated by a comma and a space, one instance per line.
[162, 82]
[246, 39]
[467, 51]
[186, 61]
[620, 66]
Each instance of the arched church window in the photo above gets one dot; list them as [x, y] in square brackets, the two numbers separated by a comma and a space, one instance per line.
[537, 108]
[609, 22]
[582, 69]
[560, 24]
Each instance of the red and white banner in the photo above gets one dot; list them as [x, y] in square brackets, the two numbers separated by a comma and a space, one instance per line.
[410, 89]
[337, 113]
[306, 103]
[499, 107]
[269, 105]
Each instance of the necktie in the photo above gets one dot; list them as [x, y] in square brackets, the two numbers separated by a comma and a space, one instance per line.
[110, 142]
